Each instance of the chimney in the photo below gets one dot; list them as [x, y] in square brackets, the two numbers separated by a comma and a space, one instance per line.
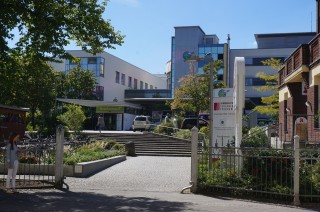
[318, 18]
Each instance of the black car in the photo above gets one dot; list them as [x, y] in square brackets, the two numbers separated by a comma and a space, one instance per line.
[189, 123]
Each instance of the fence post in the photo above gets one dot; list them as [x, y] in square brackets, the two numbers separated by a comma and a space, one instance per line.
[59, 157]
[296, 176]
[194, 159]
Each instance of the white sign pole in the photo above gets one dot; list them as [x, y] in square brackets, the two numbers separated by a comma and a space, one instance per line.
[238, 96]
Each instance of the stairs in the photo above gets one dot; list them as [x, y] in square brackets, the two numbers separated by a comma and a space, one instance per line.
[149, 144]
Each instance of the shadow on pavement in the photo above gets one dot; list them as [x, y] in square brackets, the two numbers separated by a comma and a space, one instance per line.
[80, 201]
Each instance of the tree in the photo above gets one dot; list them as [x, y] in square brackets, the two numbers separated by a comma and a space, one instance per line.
[78, 83]
[73, 118]
[271, 103]
[44, 28]
[193, 95]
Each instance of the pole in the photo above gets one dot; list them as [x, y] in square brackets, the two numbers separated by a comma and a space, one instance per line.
[211, 101]
[59, 157]
[296, 177]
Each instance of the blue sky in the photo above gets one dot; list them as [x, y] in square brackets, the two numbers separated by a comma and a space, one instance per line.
[149, 24]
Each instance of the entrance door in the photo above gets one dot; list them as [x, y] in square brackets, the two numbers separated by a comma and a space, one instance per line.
[111, 121]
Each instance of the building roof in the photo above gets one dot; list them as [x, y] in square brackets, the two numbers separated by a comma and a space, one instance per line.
[15, 108]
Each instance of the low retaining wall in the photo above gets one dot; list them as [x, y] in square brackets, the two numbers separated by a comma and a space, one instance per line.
[84, 169]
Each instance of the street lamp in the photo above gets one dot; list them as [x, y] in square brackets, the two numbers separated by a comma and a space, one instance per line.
[187, 56]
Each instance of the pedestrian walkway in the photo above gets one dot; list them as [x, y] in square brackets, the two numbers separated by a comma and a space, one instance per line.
[137, 184]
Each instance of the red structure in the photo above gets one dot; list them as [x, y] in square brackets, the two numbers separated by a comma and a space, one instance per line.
[12, 119]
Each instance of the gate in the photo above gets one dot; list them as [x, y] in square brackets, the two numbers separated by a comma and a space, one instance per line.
[37, 163]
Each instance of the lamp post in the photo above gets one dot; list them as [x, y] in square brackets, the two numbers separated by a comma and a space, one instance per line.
[190, 58]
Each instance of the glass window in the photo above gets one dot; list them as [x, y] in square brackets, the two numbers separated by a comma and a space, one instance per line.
[248, 60]
[220, 56]
[92, 60]
[118, 77]
[123, 79]
[135, 84]
[101, 69]
[220, 50]
[141, 84]
[145, 85]
[151, 87]
[93, 67]
[130, 82]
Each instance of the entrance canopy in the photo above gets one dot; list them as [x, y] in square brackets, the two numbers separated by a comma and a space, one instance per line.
[95, 103]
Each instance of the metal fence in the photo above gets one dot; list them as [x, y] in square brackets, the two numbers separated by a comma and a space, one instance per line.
[270, 173]
[37, 163]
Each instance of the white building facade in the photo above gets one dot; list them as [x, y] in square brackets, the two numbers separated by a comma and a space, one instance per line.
[114, 76]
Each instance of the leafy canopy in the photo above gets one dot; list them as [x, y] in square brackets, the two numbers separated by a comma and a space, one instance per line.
[46, 27]
[271, 103]
[193, 95]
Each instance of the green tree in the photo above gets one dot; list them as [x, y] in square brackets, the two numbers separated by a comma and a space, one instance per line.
[79, 83]
[193, 95]
[44, 28]
[26, 81]
[270, 103]
[73, 118]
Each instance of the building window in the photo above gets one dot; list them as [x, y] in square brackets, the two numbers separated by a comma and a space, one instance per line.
[118, 77]
[130, 82]
[145, 85]
[92, 60]
[123, 79]
[135, 84]
[141, 85]
[151, 87]
[101, 67]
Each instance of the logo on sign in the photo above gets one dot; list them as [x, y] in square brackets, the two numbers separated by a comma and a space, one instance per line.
[222, 93]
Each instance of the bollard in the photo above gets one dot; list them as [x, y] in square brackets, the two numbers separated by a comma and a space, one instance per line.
[296, 176]
[194, 158]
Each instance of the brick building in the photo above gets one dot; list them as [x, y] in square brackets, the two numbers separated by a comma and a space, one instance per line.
[299, 84]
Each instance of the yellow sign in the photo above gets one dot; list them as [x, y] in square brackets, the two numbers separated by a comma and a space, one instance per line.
[109, 109]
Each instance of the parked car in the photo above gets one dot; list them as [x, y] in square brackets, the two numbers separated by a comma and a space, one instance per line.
[189, 123]
[205, 116]
[142, 123]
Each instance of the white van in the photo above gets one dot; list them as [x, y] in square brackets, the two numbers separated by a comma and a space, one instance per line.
[142, 123]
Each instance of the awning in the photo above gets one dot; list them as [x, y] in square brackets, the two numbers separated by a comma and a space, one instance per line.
[95, 103]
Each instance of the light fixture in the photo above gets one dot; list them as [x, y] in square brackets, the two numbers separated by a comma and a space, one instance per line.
[308, 104]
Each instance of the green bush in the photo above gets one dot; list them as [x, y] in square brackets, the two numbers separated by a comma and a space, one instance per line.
[94, 150]
[256, 138]
[315, 178]
[184, 134]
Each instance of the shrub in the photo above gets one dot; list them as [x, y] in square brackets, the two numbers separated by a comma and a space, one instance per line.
[95, 150]
[315, 178]
[184, 134]
[256, 138]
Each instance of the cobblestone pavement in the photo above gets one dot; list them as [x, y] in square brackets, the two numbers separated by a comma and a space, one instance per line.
[137, 184]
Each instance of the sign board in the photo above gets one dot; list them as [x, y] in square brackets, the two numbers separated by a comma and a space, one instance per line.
[223, 117]
[109, 109]
[301, 128]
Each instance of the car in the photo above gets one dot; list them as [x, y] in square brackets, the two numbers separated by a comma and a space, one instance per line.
[142, 123]
[189, 123]
[205, 116]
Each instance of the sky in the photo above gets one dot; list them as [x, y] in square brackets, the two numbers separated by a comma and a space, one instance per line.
[149, 24]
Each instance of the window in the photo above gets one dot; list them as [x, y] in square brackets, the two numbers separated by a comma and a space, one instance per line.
[135, 84]
[141, 84]
[145, 85]
[92, 60]
[118, 77]
[130, 82]
[123, 79]
[220, 56]
[151, 87]
[101, 67]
